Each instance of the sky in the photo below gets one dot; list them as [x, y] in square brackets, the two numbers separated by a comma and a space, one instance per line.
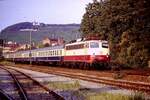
[46, 11]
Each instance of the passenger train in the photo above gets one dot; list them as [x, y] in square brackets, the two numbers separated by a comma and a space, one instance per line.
[84, 53]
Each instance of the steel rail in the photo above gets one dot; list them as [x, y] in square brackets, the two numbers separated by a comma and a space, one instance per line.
[58, 97]
[4, 95]
[140, 86]
[22, 92]
[120, 83]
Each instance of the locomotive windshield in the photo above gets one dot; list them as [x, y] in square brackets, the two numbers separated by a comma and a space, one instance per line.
[94, 45]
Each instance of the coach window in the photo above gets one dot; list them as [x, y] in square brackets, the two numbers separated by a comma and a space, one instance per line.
[47, 53]
[53, 52]
[57, 53]
[60, 52]
[44, 53]
[32, 54]
[41, 53]
[94, 45]
[50, 52]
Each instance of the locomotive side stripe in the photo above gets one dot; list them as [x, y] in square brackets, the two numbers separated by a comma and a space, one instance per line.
[87, 58]
[81, 58]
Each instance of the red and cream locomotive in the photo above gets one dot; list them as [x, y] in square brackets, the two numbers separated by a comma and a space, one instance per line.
[82, 52]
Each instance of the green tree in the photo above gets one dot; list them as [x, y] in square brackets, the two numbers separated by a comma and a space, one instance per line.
[126, 25]
[93, 21]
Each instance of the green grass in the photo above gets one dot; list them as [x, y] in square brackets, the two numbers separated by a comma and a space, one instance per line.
[110, 96]
[6, 63]
[64, 86]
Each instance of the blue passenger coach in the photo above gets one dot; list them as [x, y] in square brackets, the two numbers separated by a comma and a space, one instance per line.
[48, 54]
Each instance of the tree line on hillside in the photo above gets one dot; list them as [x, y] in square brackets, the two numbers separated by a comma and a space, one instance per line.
[125, 24]
[16, 33]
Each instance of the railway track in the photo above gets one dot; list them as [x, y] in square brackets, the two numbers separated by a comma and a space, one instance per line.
[25, 87]
[140, 86]
[4, 95]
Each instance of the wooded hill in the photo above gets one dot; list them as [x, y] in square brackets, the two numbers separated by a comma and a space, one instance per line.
[125, 24]
[14, 33]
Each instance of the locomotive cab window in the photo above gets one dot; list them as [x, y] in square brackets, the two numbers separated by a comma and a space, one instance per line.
[94, 45]
[105, 45]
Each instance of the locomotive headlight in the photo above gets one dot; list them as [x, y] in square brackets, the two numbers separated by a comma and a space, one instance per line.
[93, 54]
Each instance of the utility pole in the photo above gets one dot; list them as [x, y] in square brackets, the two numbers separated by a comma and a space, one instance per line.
[30, 41]
[30, 54]
[1, 48]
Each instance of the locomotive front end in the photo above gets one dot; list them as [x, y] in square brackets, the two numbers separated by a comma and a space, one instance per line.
[99, 51]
